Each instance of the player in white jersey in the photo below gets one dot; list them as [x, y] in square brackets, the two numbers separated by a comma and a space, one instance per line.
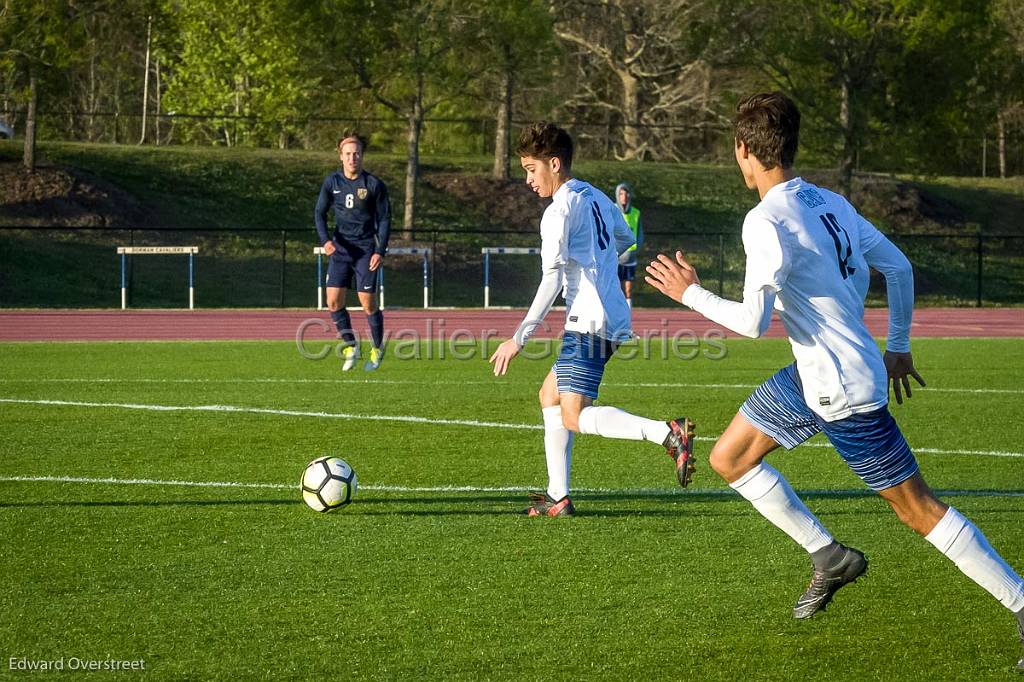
[808, 253]
[582, 235]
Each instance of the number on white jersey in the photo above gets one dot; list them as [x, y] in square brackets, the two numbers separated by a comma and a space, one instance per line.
[600, 227]
[834, 230]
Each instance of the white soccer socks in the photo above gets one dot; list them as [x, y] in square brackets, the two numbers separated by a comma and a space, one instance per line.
[770, 493]
[611, 422]
[966, 546]
[557, 451]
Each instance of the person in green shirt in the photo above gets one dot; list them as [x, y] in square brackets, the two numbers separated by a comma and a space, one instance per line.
[627, 261]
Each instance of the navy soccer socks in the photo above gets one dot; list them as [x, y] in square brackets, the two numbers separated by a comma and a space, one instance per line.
[344, 325]
[376, 321]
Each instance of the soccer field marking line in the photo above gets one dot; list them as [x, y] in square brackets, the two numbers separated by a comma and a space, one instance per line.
[624, 492]
[283, 413]
[479, 382]
[403, 418]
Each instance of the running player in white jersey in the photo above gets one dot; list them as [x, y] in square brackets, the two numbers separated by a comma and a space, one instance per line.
[582, 235]
[808, 253]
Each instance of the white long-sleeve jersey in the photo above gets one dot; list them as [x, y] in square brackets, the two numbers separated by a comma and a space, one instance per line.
[582, 234]
[808, 252]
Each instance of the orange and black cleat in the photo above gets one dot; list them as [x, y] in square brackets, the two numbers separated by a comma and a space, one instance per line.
[679, 446]
[542, 505]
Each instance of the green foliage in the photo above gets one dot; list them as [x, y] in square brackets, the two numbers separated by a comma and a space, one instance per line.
[40, 36]
[887, 55]
[242, 58]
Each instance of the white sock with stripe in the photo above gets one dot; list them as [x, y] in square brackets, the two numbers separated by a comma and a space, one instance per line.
[961, 541]
[557, 451]
[611, 422]
[770, 493]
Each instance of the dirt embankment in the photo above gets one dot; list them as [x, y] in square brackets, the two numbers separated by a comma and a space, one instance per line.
[64, 196]
[505, 204]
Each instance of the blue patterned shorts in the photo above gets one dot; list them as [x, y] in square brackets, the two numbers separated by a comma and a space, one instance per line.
[580, 363]
[870, 443]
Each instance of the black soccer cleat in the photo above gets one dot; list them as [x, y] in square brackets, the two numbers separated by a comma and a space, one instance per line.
[826, 582]
[541, 504]
[679, 446]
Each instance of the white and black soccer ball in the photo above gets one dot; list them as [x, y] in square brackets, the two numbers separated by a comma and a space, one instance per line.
[328, 483]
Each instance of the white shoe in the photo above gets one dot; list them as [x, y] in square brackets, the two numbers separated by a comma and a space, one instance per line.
[350, 355]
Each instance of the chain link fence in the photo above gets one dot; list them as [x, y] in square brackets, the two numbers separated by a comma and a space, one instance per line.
[64, 267]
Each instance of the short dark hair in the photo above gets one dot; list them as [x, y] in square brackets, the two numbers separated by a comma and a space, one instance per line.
[769, 124]
[352, 136]
[545, 140]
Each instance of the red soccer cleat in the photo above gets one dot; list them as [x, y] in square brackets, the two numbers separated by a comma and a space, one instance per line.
[679, 446]
[542, 505]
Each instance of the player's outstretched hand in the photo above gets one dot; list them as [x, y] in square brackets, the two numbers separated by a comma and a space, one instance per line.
[503, 356]
[900, 366]
[671, 277]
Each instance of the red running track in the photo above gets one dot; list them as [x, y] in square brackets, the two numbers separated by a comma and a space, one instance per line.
[201, 325]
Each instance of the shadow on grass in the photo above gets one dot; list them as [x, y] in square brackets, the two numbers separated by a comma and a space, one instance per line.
[514, 500]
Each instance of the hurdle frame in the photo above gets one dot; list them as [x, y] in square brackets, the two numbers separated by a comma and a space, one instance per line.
[125, 251]
[488, 250]
[426, 252]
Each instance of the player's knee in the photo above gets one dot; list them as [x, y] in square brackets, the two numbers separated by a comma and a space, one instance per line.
[728, 462]
[720, 461]
[571, 420]
[919, 514]
[335, 306]
[369, 303]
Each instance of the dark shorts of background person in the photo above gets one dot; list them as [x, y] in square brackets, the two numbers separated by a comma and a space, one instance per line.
[580, 363]
[351, 261]
[627, 273]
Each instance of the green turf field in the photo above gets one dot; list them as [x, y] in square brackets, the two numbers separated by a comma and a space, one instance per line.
[415, 581]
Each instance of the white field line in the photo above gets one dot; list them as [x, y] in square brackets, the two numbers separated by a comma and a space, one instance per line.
[404, 418]
[284, 413]
[408, 382]
[624, 492]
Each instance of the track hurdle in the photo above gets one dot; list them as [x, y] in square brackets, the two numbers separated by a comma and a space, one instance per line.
[397, 251]
[488, 250]
[125, 251]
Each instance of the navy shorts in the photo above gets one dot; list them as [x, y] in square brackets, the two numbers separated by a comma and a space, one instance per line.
[627, 273]
[870, 442]
[580, 363]
[352, 261]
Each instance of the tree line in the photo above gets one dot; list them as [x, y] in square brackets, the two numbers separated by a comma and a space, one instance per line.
[883, 84]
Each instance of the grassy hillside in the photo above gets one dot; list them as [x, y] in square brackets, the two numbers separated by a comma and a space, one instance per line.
[696, 207]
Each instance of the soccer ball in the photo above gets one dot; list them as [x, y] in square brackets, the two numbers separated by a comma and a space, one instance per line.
[328, 483]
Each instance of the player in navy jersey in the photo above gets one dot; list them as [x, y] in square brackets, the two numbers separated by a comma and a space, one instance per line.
[808, 255]
[356, 245]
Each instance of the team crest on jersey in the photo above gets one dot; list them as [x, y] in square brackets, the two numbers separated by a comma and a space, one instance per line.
[361, 193]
